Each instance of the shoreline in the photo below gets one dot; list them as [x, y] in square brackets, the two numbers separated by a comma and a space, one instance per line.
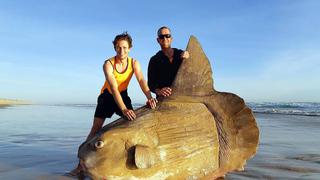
[9, 102]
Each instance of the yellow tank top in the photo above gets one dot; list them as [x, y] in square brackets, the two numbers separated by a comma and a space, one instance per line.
[123, 78]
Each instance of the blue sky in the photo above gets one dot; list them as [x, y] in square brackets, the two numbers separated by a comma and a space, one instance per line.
[53, 51]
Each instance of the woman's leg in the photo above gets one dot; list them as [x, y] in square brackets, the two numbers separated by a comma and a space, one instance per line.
[96, 126]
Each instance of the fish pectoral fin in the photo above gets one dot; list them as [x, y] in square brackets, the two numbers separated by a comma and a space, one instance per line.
[145, 157]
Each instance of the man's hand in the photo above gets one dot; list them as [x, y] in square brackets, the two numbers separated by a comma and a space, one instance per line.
[152, 103]
[185, 55]
[166, 91]
[129, 114]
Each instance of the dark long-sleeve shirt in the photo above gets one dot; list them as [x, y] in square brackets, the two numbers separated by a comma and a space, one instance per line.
[161, 72]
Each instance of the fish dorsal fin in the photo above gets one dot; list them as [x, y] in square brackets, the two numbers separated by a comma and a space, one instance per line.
[194, 77]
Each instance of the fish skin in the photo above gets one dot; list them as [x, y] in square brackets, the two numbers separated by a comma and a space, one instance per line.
[197, 133]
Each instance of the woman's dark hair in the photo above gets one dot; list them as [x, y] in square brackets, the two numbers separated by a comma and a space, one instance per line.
[124, 36]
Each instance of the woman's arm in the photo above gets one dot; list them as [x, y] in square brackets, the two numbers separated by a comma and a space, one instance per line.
[143, 84]
[108, 72]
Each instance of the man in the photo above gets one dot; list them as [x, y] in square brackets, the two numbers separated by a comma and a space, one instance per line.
[163, 66]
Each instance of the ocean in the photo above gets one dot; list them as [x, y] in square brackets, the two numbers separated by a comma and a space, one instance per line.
[41, 141]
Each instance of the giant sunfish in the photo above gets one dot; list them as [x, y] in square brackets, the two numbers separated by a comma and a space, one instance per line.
[196, 133]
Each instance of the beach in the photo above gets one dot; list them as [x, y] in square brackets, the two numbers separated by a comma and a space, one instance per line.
[9, 102]
[41, 141]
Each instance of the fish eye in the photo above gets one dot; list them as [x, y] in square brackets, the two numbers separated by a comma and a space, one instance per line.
[99, 144]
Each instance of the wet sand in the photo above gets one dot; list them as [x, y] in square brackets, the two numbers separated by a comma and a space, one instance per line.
[289, 149]
[40, 142]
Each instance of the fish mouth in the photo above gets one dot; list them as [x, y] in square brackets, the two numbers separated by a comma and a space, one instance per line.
[83, 165]
[87, 169]
[88, 160]
[87, 164]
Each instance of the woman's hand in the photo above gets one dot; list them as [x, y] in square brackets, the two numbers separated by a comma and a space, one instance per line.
[129, 114]
[152, 103]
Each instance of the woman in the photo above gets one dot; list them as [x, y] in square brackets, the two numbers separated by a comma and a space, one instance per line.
[114, 98]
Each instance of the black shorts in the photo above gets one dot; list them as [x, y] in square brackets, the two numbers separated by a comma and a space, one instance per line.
[107, 106]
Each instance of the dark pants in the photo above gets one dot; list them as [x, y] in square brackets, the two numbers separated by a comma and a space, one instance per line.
[107, 106]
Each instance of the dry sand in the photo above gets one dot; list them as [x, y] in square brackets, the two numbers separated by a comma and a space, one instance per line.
[7, 102]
